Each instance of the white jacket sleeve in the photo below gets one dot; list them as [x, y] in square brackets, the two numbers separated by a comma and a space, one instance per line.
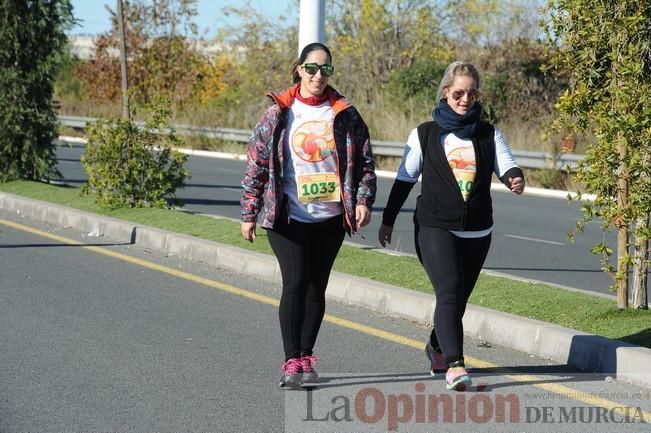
[412, 159]
[504, 160]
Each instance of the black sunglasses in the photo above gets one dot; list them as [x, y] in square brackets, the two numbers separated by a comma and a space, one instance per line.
[313, 68]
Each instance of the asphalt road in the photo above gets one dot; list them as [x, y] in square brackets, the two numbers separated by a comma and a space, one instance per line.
[116, 338]
[529, 238]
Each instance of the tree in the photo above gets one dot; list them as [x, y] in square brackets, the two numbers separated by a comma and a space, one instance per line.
[163, 60]
[372, 38]
[32, 43]
[606, 47]
[476, 24]
[256, 59]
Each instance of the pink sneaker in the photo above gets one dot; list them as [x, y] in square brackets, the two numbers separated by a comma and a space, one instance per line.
[310, 377]
[292, 373]
[436, 359]
[457, 379]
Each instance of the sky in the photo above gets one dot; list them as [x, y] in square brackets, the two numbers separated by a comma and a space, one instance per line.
[94, 18]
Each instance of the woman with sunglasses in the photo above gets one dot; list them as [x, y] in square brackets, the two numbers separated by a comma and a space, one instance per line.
[311, 174]
[457, 154]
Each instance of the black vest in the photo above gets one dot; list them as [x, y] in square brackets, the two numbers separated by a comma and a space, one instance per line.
[440, 203]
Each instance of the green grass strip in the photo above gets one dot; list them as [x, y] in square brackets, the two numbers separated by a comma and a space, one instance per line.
[592, 314]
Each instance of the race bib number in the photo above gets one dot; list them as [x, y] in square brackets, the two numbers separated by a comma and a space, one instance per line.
[465, 186]
[319, 187]
[464, 180]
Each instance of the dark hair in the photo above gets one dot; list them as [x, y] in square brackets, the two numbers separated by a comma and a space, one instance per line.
[314, 46]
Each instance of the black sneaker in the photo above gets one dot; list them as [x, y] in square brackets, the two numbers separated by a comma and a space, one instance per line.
[292, 373]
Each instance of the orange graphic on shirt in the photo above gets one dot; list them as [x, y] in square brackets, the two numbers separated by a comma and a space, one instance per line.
[314, 141]
[462, 158]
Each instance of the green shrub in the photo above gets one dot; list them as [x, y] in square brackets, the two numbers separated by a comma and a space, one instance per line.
[132, 166]
[418, 82]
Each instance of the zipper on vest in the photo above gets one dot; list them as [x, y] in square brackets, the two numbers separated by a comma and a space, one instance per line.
[464, 215]
[285, 204]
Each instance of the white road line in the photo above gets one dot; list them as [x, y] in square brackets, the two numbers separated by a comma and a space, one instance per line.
[542, 241]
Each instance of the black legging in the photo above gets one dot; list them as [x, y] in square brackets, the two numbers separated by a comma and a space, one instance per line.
[453, 265]
[305, 253]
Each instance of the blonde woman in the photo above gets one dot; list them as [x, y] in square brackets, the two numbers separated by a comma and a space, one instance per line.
[457, 154]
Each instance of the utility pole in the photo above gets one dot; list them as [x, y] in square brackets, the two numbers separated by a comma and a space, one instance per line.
[126, 113]
[622, 227]
[311, 23]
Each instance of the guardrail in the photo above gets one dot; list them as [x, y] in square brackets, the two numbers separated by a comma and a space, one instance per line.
[525, 158]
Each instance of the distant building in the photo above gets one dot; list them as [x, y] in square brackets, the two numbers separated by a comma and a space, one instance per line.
[82, 46]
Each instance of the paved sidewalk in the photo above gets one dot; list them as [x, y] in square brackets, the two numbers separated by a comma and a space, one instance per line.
[578, 349]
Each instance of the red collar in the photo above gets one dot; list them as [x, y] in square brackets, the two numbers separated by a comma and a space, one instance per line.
[285, 98]
[312, 100]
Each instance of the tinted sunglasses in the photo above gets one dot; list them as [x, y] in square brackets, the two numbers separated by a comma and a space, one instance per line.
[313, 68]
[458, 94]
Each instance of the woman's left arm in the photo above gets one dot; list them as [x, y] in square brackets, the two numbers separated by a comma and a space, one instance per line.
[506, 168]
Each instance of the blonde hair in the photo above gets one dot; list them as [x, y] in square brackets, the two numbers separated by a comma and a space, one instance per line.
[454, 70]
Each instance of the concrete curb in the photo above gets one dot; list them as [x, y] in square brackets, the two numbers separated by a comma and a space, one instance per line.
[588, 352]
[67, 217]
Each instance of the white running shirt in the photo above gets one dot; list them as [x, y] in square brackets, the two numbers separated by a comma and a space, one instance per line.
[311, 174]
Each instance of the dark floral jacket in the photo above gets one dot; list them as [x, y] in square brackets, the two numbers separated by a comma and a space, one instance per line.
[263, 181]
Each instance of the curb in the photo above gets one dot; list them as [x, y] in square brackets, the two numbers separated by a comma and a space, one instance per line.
[578, 349]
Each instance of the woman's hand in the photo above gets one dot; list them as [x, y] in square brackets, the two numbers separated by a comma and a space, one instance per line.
[384, 235]
[248, 231]
[362, 215]
[517, 185]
